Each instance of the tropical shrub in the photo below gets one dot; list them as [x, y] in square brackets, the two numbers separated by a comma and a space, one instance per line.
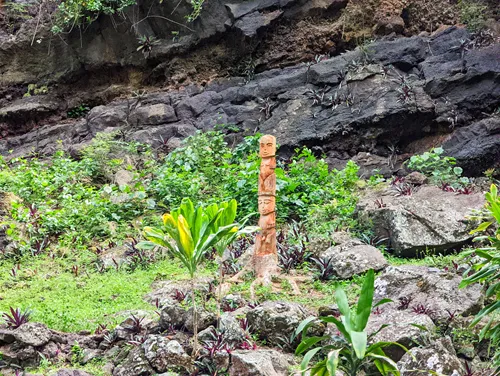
[189, 232]
[487, 270]
[74, 203]
[76, 13]
[351, 352]
[472, 13]
[58, 199]
[439, 168]
[206, 169]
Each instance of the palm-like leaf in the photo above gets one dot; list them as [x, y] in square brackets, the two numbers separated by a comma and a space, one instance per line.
[350, 354]
[189, 232]
[488, 269]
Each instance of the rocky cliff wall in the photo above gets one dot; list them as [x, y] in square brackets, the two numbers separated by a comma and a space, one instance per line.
[376, 105]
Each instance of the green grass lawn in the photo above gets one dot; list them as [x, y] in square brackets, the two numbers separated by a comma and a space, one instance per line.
[55, 296]
[66, 302]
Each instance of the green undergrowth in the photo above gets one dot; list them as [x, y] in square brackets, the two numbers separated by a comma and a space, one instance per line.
[47, 368]
[61, 214]
[430, 259]
[76, 204]
[65, 302]
[314, 294]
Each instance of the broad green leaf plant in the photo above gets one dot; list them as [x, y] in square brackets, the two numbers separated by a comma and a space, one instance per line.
[228, 218]
[439, 168]
[189, 232]
[487, 270]
[352, 352]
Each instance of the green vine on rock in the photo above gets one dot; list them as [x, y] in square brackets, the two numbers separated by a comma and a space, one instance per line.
[71, 13]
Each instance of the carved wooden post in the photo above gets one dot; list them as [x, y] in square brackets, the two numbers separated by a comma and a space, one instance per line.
[265, 255]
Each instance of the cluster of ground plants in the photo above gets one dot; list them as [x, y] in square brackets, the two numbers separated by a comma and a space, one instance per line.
[64, 216]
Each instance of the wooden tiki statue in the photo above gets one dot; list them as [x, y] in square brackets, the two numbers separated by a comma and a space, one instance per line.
[265, 256]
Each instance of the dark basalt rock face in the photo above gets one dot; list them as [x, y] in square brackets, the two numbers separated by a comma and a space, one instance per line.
[376, 106]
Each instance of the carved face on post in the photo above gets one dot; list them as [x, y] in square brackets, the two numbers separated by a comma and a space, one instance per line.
[267, 204]
[267, 146]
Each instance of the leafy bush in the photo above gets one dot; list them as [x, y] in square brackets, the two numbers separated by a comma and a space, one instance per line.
[206, 169]
[350, 352]
[335, 208]
[78, 111]
[440, 169]
[77, 13]
[472, 13]
[58, 200]
[194, 231]
[488, 270]
[68, 202]
[71, 13]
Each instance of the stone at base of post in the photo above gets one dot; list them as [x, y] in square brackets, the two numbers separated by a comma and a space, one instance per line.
[266, 267]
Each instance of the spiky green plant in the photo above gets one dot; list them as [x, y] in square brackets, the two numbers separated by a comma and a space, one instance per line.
[351, 352]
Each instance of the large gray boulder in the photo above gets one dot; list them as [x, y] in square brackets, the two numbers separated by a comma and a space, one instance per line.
[353, 258]
[476, 146]
[234, 335]
[136, 364]
[404, 327]
[435, 290]
[203, 318]
[155, 114]
[32, 334]
[164, 354]
[181, 318]
[173, 315]
[429, 219]
[440, 357]
[259, 363]
[20, 355]
[276, 321]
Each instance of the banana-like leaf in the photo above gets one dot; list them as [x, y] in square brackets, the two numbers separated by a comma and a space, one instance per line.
[359, 342]
[309, 342]
[365, 302]
[185, 237]
[304, 365]
[380, 345]
[303, 326]
[486, 311]
[382, 301]
[390, 366]
[319, 369]
[339, 324]
[332, 362]
[342, 302]
[156, 236]
[482, 227]
[187, 210]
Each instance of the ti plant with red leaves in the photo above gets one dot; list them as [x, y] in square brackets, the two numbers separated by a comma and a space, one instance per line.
[292, 247]
[135, 325]
[403, 189]
[422, 309]
[216, 343]
[179, 296]
[16, 318]
[324, 268]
